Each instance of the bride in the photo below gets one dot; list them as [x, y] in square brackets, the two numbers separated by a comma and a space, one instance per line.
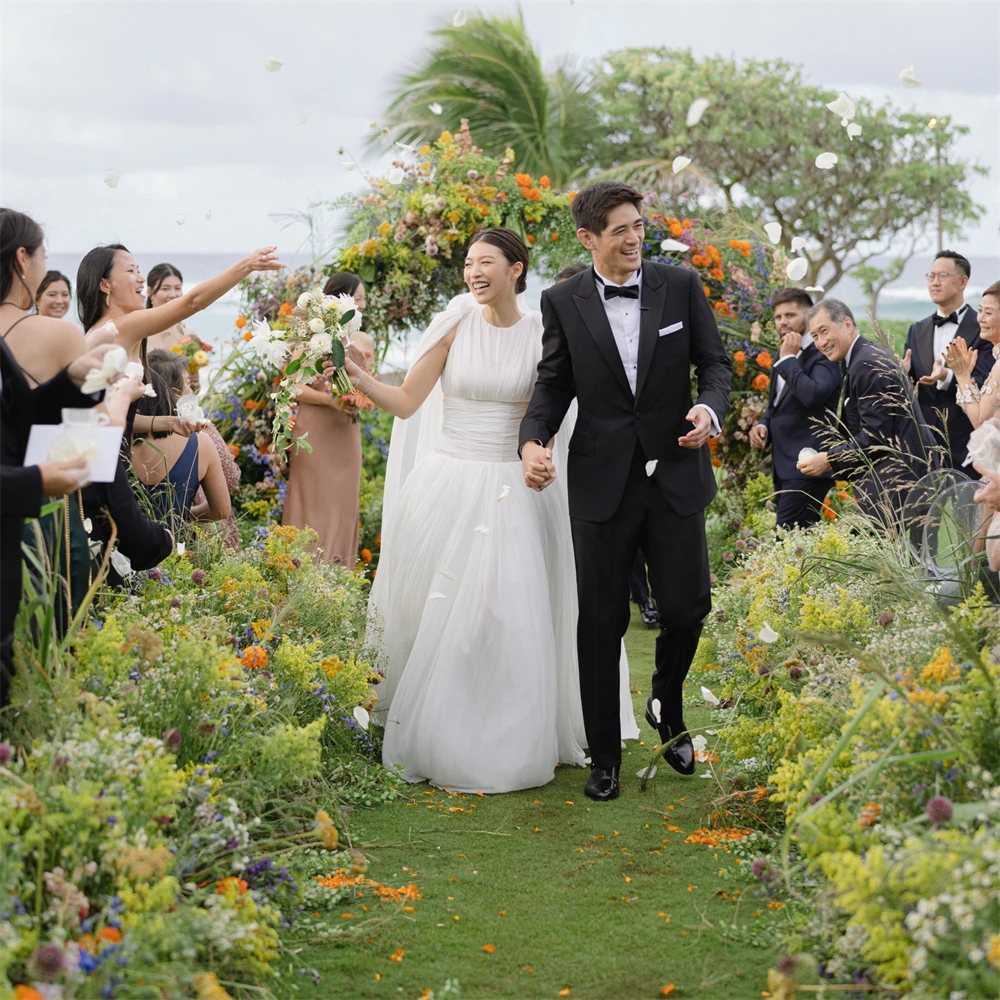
[476, 587]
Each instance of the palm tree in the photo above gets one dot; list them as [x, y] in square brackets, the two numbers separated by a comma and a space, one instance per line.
[489, 72]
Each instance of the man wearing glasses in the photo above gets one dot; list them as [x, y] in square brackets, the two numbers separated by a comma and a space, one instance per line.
[925, 344]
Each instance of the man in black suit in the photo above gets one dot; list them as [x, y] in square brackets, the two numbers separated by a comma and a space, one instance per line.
[804, 390]
[621, 337]
[887, 447]
[925, 344]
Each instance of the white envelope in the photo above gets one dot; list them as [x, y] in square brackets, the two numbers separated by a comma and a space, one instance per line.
[673, 328]
[103, 441]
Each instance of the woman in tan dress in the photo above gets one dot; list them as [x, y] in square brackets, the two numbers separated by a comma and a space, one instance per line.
[323, 484]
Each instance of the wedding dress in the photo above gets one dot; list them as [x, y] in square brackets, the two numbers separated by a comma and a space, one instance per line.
[475, 593]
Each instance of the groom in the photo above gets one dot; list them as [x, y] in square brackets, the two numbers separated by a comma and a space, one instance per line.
[621, 337]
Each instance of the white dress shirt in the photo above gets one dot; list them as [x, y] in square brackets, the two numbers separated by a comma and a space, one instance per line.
[807, 339]
[943, 336]
[623, 317]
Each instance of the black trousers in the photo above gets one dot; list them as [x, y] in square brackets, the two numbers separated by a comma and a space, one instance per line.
[677, 559]
[800, 501]
[638, 588]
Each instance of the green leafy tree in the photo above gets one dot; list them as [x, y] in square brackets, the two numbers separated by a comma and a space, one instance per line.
[756, 146]
[489, 72]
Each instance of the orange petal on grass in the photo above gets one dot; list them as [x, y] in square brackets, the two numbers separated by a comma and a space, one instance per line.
[489, 948]
[690, 888]
[668, 989]
[564, 993]
[569, 803]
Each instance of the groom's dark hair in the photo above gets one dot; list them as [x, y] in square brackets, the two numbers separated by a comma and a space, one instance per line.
[594, 203]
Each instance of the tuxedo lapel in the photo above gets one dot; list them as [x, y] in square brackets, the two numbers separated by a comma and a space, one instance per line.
[925, 345]
[654, 293]
[596, 319]
[968, 329]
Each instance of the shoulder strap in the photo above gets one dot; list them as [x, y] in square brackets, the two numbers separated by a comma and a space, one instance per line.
[18, 363]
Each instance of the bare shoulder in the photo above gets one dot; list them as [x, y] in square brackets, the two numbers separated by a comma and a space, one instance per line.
[58, 333]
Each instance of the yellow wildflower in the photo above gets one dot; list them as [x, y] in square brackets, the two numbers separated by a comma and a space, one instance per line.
[425, 150]
[326, 830]
[384, 229]
[176, 349]
[993, 955]
[942, 668]
[207, 987]
[446, 138]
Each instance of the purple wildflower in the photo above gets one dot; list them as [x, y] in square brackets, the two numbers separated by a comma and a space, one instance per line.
[198, 577]
[155, 574]
[172, 739]
[795, 673]
[175, 602]
[939, 810]
[727, 556]
[885, 619]
[6, 752]
[49, 962]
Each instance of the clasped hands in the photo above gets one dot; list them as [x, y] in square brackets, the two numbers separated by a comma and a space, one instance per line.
[958, 357]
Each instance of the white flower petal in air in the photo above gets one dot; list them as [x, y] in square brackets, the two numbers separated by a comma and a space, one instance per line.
[112, 364]
[798, 242]
[646, 772]
[815, 288]
[362, 716]
[112, 177]
[680, 162]
[348, 164]
[481, 529]
[302, 117]
[396, 175]
[447, 574]
[436, 596]
[707, 774]
[674, 245]
[698, 107]
[908, 77]
[272, 65]
[767, 634]
[208, 215]
[651, 466]
[435, 108]
[460, 18]
[180, 220]
[853, 130]
[773, 231]
[504, 492]
[826, 161]
[699, 742]
[121, 563]
[181, 548]
[844, 107]
[709, 697]
[406, 148]
[655, 707]
[795, 270]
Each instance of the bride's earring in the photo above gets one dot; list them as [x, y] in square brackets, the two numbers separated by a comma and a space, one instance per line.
[107, 299]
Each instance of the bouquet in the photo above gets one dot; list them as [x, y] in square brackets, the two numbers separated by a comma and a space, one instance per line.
[320, 328]
[195, 350]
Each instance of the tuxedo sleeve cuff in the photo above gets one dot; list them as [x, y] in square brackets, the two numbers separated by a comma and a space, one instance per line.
[716, 426]
[946, 381]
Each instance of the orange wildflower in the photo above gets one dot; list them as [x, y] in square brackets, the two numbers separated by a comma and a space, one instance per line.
[398, 956]
[555, 236]
[717, 273]
[764, 359]
[533, 194]
[676, 229]
[843, 495]
[739, 356]
[112, 934]
[254, 657]
[869, 814]
[22, 992]
[234, 450]
[713, 445]
[572, 195]
[828, 512]
[221, 887]
[251, 404]
[685, 223]
[761, 382]
[544, 182]
[564, 993]
[241, 321]
[248, 335]
[523, 180]
[285, 309]
[707, 291]
[716, 463]
[530, 238]
[366, 555]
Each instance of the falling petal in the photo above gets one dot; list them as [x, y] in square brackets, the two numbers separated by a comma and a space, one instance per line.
[680, 162]
[481, 529]
[646, 772]
[853, 130]
[208, 215]
[826, 161]
[707, 774]
[698, 107]
[908, 77]
[112, 177]
[798, 242]
[767, 634]
[362, 716]
[406, 148]
[272, 65]
[460, 18]
[674, 245]
[348, 164]
[815, 288]
[655, 706]
[709, 697]
[844, 107]
[396, 175]
[435, 108]
[179, 219]
[447, 574]
[651, 466]
[181, 548]
[773, 231]
[795, 270]
[436, 596]
[699, 742]
[504, 492]
[711, 732]
[302, 117]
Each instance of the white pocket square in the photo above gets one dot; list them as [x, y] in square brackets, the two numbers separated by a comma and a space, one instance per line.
[673, 328]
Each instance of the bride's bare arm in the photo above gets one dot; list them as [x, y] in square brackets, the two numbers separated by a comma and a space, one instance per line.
[401, 400]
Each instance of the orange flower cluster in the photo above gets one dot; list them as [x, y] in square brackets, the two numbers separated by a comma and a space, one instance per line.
[366, 555]
[828, 512]
[241, 321]
[222, 886]
[722, 308]
[285, 309]
[717, 837]
[761, 382]
[523, 180]
[764, 359]
[869, 814]
[234, 450]
[254, 658]
[742, 245]
[340, 879]
[544, 182]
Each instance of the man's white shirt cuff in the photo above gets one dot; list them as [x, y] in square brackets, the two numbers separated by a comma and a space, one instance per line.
[716, 426]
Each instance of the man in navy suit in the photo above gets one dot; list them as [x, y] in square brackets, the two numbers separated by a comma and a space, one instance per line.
[925, 343]
[803, 395]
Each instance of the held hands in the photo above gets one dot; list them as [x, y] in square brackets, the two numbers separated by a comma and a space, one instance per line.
[536, 464]
[60, 478]
[701, 431]
[816, 465]
[960, 358]
[758, 437]
[264, 259]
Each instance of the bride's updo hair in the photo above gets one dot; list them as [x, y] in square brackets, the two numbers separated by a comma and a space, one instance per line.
[513, 248]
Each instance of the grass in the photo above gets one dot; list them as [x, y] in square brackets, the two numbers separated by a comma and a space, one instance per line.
[567, 892]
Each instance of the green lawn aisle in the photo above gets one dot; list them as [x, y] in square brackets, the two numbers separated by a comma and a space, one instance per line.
[555, 884]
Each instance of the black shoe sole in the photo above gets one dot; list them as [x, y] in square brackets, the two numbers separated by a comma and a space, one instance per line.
[603, 798]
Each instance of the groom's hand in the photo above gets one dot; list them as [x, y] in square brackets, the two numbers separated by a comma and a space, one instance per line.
[536, 464]
[701, 431]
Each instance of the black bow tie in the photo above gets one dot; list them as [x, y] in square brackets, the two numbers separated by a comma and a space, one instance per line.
[625, 291]
[940, 320]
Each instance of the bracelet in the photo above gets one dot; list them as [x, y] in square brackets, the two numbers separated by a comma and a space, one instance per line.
[152, 425]
[357, 385]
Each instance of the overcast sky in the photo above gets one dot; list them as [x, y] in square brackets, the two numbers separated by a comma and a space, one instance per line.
[176, 97]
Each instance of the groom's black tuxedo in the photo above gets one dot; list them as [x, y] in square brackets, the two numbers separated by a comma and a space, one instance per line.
[615, 506]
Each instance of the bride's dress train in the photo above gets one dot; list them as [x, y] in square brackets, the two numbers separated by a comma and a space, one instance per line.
[475, 591]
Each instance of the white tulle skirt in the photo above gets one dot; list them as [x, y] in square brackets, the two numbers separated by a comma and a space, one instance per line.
[475, 597]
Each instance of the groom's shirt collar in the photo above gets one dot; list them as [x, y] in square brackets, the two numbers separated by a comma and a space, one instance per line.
[635, 279]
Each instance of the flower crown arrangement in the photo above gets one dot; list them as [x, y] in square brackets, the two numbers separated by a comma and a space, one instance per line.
[319, 328]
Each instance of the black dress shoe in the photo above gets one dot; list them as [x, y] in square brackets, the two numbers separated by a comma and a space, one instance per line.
[602, 785]
[650, 616]
[680, 756]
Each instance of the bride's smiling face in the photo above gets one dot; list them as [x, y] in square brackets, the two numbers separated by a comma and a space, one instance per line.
[488, 273]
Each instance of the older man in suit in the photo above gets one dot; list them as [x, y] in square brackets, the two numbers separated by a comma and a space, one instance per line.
[803, 397]
[925, 344]
[887, 446]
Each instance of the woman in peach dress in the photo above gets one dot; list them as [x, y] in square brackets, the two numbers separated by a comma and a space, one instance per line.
[323, 484]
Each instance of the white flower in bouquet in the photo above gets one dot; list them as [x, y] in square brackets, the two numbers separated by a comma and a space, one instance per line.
[330, 303]
[320, 343]
[268, 345]
[303, 301]
[189, 410]
[316, 325]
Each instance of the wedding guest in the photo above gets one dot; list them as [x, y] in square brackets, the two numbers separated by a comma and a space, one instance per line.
[54, 295]
[988, 495]
[164, 283]
[323, 485]
[924, 355]
[569, 270]
[170, 465]
[803, 396]
[978, 397]
[887, 446]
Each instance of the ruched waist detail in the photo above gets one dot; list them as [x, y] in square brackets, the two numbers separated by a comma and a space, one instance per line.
[481, 430]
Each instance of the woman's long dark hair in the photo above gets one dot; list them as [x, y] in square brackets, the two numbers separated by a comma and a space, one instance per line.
[155, 278]
[93, 269]
[513, 247]
[342, 283]
[165, 371]
[16, 230]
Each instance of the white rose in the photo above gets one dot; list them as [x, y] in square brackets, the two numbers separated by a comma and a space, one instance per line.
[317, 325]
[276, 353]
[355, 321]
[320, 343]
[345, 303]
[330, 302]
[303, 300]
